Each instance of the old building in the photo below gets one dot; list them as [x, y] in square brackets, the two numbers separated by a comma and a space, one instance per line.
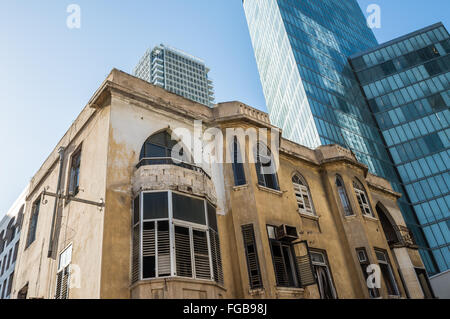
[111, 215]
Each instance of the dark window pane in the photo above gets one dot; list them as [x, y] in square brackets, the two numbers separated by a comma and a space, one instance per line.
[148, 267]
[238, 166]
[148, 250]
[152, 150]
[188, 209]
[155, 205]
[212, 218]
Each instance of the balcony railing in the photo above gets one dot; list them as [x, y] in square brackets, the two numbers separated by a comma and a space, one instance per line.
[170, 161]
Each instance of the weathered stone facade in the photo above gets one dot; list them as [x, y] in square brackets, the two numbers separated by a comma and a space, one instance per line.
[111, 130]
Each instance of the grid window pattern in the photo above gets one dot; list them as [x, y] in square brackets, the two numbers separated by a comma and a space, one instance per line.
[407, 85]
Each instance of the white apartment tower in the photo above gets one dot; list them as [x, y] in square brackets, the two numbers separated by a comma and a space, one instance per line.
[10, 226]
[177, 72]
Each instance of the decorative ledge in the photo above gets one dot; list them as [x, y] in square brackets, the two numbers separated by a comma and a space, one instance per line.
[172, 177]
[241, 187]
[270, 190]
[374, 219]
[312, 217]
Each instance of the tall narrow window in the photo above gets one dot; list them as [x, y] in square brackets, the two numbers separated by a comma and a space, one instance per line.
[303, 196]
[33, 223]
[343, 196]
[16, 250]
[136, 239]
[238, 166]
[283, 260]
[251, 253]
[323, 275]
[363, 200]
[74, 181]
[364, 262]
[63, 274]
[387, 272]
[265, 167]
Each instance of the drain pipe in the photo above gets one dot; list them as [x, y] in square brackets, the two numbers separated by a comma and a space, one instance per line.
[58, 193]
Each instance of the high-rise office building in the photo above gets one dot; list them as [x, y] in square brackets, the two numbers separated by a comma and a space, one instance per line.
[302, 50]
[177, 72]
[407, 85]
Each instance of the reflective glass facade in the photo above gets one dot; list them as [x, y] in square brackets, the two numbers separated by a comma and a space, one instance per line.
[302, 49]
[407, 85]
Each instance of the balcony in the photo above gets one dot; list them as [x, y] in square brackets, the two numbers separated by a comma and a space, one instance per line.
[166, 173]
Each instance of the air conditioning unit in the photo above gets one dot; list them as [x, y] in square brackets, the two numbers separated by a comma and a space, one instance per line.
[287, 233]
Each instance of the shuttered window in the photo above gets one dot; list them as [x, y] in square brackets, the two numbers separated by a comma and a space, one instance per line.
[183, 252]
[361, 196]
[302, 195]
[135, 265]
[216, 256]
[163, 240]
[62, 283]
[156, 249]
[254, 272]
[63, 274]
[201, 254]
[291, 262]
[185, 244]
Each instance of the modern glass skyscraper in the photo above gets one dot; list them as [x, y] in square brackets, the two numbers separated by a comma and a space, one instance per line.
[177, 72]
[302, 49]
[407, 85]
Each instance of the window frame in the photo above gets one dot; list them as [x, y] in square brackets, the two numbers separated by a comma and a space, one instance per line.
[326, 265]
[373, 292]
[263, 180]
[292, 258]
[361, 194]
[72, 190]
[391, 274]
[301, 191]
[32, 229]
[207, 228]
[342, 194]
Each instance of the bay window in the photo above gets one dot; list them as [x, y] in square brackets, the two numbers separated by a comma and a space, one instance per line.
[175, 235]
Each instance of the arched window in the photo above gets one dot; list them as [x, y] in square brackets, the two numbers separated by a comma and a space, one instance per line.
[388, 226]
[157, 149]
[265, 167]
[343, 196]
[303, 195]
[238, 166]
[363, 200]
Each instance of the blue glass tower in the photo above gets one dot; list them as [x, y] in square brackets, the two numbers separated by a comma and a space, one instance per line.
[407, 85]
[302, 49]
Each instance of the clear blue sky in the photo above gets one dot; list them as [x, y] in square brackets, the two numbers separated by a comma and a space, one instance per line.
[49, 72]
